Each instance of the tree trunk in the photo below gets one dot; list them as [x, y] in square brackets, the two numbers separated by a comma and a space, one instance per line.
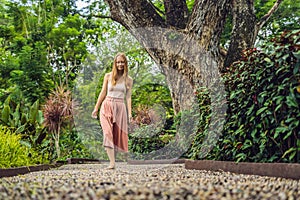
[186, 46]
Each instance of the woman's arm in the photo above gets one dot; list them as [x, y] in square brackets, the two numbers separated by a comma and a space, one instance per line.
[101, 96]
[128, 97]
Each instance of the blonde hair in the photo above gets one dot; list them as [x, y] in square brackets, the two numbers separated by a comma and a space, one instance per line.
[115, 71]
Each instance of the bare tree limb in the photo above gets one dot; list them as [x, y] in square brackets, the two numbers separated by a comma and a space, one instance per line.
[135, 13]
[267, 16]
[102, 16]
[97, 16]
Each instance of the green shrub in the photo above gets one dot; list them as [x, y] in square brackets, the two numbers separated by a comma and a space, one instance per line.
[23, 119]
[146, 139]
[72, 146]
[264, 103]
[210, 113]
[263, 97]
[204, 116]
[13, 153]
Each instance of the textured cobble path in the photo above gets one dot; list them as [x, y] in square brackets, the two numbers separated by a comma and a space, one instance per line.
[168, 181]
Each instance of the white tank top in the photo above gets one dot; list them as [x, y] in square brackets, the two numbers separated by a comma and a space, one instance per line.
[117, 91]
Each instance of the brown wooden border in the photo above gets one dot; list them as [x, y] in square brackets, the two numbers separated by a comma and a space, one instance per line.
[283, 170]
[153, 162]
[24, 170]
[82, 160]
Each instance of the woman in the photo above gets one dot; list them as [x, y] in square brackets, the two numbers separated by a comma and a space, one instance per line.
[115, 101]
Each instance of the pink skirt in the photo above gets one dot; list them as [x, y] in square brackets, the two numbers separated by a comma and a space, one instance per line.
[114, 123]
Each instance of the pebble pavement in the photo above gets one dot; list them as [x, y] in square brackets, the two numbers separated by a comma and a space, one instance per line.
[160, 181]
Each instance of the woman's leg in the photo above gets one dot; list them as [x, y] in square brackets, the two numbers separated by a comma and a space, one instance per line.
[107, 127]
[111, 155]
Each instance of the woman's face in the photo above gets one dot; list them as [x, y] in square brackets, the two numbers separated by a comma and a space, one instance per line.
[120, 62]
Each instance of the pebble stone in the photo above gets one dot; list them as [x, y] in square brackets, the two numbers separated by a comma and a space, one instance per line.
[139, 182]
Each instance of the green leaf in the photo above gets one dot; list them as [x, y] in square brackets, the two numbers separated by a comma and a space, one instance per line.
[279, 99]
[288, 135]
[40, 117]
[241, 157]
[232, 95]
[16, 115]
[261, 110]
[288, 120]
[247, 144]
[267, 59]
[261, 97]
[249, 111]
[279, 130]
[291, 101]
[292, 150]
[253, 133]
[278, 107]
[21, 129]
[34, 112]
[296, 54]
[24, 118]
[7, 101]
[5, 114]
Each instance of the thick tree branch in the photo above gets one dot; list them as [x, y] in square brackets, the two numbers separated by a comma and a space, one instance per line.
[243, 30]
[266, 17]
[176, 13]
[135, 13]
[207, 22]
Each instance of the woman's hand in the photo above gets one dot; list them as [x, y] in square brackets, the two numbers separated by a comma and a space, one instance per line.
[95, 113]
[130, 119]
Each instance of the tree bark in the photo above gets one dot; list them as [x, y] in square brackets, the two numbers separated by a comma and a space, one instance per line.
[176, 13]
[134, 14]
[243, 33]
[207, 23]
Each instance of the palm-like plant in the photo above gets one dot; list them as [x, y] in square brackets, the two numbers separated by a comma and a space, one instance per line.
[58, 113]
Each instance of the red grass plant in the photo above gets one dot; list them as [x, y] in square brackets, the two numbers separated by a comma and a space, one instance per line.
[144, 115]
[58, 113]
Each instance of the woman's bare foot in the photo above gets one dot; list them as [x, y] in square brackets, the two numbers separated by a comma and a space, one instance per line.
[111, 167]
